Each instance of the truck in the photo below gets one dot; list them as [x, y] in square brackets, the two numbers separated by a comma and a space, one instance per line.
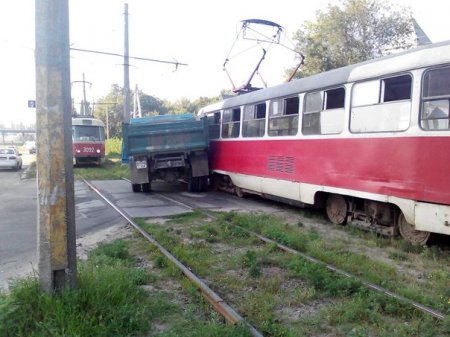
[166, 147]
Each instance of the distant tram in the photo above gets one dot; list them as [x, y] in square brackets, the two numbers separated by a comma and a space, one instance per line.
[88, 136]
[369, 142]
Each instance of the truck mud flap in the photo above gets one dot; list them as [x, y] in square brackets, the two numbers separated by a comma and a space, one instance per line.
[199, 164]
[139, 170]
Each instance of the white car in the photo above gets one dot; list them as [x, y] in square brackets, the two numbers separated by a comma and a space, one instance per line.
[10, 158]
[30, 146]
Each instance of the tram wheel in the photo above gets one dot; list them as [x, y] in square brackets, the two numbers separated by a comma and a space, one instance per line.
[410, 233]
[337, 209]
[239, 192]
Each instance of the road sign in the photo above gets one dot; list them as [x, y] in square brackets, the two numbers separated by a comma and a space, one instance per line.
[31, 103]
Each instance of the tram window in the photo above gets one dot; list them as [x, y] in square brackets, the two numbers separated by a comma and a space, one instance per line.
[311, 114]
[313, 102]
[382, 105]
[254, 120]
[231, 123]
[334, 98]
[436, 100]
[324, 112]
[397, 88]
[436, 82]
[435, 115]
[276, 108]
[214, 124]
[292, 105]
[283, 117]
[366, 93]
[88, 133]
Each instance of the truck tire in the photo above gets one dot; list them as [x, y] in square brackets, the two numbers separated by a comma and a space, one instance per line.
[146, 187]
[136, 188]
[203, 184]
[193, 184]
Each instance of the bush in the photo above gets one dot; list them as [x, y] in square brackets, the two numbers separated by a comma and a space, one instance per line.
[113, 147]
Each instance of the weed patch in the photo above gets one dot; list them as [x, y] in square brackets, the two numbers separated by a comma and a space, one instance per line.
[110, 170]
[113, 147]
[107, 302]
[110, 300]
[433, 291]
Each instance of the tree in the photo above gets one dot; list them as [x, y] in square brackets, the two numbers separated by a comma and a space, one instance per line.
[181, 106]
[151, 105]
[184, 105]
[112, 104]
[352, 32]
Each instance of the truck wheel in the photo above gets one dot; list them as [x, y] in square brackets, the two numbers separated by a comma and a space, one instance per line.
[136, 187]
[202, 184]
[146, 187]
[193, 184]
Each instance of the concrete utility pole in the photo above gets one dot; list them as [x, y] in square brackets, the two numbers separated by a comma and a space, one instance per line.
[56, 209]
[126, 72]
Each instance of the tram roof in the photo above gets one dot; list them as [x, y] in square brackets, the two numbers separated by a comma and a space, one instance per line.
[87, 121]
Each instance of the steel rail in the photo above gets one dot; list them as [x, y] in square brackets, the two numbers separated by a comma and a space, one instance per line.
[230, 315]
[371, 286]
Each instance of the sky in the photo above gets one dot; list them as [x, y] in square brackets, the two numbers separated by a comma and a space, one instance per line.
[200, 33]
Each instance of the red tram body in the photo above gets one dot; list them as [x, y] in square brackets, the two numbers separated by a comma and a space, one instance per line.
[369, 142]
[88, 137]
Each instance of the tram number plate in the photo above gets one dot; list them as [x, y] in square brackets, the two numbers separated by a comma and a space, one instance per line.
[141, 164]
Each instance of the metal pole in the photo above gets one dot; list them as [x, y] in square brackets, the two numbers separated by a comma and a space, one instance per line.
[85, 106]
[126, 72]
[107, 122]
[56, 209]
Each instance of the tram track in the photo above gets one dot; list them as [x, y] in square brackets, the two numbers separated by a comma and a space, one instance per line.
[230, 315]
[374, 287]
[217, 302]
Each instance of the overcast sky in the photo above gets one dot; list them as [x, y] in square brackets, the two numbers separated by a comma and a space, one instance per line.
[197, 32]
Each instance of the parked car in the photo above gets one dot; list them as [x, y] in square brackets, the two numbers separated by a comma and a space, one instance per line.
[30, 146]
[10, 158]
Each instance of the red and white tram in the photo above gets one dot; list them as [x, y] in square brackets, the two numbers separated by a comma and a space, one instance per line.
[369, 142]
[88, 137]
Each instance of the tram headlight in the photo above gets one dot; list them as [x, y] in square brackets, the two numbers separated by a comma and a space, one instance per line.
[98, 150]
[78, 151]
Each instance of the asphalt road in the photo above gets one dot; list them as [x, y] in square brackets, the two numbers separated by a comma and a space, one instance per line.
[18, 218]
[18, 221]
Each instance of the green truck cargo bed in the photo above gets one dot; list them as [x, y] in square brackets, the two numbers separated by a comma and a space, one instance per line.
[163, 134]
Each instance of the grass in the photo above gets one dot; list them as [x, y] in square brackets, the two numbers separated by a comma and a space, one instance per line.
[253, 277]
[113, 147]
[265, 285]
[110, 301]
[111, 169]
[433, 290]
[30, 172]
[107, 302]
